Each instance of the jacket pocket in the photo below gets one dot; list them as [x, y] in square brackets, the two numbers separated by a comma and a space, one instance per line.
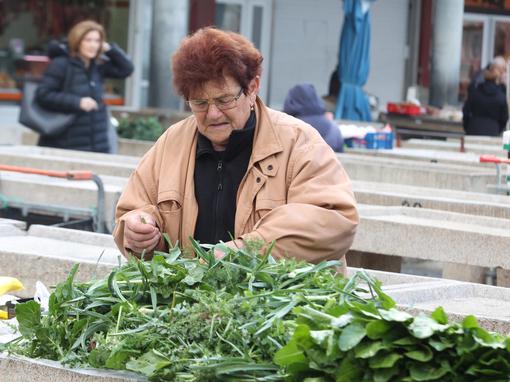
[263, 206]
[170, 208]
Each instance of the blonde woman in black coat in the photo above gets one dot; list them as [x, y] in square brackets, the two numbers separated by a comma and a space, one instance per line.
[88, 61]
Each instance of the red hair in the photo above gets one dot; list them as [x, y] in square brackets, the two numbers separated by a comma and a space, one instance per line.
[211, 54]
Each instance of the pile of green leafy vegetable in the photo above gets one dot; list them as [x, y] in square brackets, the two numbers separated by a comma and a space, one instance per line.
[248, 317]
[145, 129]
[370, 344]
[178, 318]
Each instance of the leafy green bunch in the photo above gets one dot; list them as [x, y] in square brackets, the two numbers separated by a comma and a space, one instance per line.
[247, 317]
[183, 319]
[145, 129]
[360, 342]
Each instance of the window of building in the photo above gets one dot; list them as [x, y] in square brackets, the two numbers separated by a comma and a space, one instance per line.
[26, 27]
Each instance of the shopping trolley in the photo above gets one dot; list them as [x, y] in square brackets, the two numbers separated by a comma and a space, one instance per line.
[94, 215]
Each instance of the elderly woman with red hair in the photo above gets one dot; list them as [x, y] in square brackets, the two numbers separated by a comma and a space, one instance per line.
[236, 170]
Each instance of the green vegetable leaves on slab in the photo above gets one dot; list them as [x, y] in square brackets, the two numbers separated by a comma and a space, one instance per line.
[247, 317]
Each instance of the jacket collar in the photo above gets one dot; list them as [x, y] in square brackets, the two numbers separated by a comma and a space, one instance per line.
[266, 141]
[239, 141]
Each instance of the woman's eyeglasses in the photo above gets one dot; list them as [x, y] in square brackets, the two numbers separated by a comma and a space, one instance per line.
[222, 103]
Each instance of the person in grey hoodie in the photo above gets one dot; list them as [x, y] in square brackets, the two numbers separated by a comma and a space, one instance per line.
[303, 102]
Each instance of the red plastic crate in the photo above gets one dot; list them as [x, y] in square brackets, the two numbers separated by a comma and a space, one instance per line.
[403, 108]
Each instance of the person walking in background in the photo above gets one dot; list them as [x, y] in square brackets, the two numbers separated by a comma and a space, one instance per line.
[500, 63]
[87, 61]
[485, 111]
[303, 102]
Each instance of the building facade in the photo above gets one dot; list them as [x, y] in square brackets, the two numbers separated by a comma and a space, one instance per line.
[299, 40]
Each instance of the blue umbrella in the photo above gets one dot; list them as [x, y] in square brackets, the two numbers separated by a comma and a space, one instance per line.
[354, 62]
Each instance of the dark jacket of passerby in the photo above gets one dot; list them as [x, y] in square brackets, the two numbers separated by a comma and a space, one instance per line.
[89, 131]
[303, 102]
[485, 111]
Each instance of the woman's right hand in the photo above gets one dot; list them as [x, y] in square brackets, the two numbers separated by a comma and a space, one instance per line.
[141, 232]
[88, 104]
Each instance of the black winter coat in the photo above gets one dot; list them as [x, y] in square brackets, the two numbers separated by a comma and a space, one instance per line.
[89, 131]
[485, 111]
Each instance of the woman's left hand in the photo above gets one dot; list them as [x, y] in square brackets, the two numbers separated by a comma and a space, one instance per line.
[235, 245]
[106, 46]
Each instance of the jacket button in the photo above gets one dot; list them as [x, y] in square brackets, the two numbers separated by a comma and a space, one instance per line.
[270, 167]
[258, 179]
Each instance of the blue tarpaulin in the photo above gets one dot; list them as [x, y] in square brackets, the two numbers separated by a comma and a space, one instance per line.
[354, 62]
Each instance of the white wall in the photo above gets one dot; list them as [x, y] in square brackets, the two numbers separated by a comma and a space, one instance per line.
[306, 35]
[388, 50]
[305, 45]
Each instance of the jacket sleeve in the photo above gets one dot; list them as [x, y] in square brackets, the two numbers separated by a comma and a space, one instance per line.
[319, 220]
[119, 65]
[503, 116]
[336, 138]
[466, 112]
[50, 93]
[139, 195]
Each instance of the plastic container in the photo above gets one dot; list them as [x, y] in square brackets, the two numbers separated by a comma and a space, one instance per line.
[379, 140]
[373, 141]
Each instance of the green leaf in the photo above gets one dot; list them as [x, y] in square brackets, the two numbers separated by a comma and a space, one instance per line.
[395, 315]
[320, 337]
[385, 375]
[440, 316]
[441, 343]
[470, 322]
[293, 351]
[423, 354]
[405, 341]
[118, 359]
[289, 354]
[424, 327]
[368, 349]
[349, 370]
[377, 328]
[28, 315]
[351, 335]
[383, 360]
[97, 357]
[487, 339]
[427, 372]
[147, 364]
[466, 344]
[195, 275]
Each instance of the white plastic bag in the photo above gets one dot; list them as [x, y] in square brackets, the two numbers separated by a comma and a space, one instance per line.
[42, 296]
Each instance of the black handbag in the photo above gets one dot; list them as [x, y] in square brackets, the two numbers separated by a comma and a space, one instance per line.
[43, 121]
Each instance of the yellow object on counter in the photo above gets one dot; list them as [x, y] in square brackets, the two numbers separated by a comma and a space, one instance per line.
[9, 284]
[3, 315]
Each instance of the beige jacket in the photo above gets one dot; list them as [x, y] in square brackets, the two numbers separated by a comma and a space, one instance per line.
[295, 191]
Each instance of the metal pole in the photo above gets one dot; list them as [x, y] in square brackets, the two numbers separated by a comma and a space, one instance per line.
[99, 221]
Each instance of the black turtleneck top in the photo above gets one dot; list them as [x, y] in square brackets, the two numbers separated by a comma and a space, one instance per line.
[217, 177]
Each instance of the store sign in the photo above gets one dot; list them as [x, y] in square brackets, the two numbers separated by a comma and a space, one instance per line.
[488, 6]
